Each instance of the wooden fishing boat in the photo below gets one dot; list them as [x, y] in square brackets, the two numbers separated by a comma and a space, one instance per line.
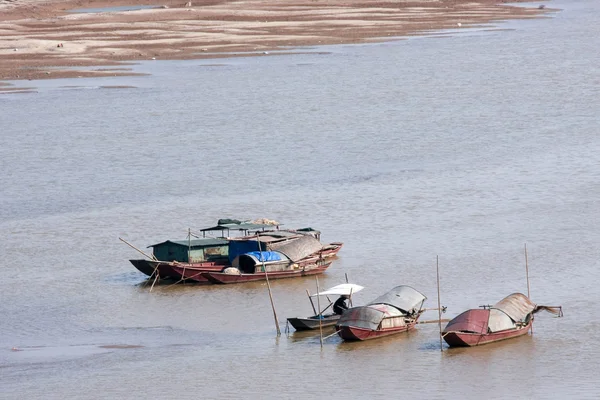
[394, 312]
[190, 259]
[509, 318]
[320, 319]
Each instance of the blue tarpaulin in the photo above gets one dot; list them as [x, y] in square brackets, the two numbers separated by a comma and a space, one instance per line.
[265, 255]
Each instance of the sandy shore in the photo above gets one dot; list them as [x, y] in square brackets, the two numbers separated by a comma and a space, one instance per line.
[38, 39]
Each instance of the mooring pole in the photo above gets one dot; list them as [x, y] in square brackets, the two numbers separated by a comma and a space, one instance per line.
[527, 272]
[528, 291]
[268, 286]
[437, 267]
[320, 314]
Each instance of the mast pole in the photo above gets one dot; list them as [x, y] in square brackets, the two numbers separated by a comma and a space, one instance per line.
[268, 286]
[320, 314]
[437, 267]
[528, 291]
[189, 244]
[527, 271]
[311, 302]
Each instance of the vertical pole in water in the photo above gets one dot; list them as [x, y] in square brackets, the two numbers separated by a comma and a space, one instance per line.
[346, 277]
[319, 315]
[527, 274]
[527, 271]
[268, 285]
[311, 302]
[437, 267]
[189, 244]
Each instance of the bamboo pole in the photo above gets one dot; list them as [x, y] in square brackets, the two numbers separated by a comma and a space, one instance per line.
[155, 278]
[268, 287]
[437, 268]
[527, 272]
[333, 334]
[528, 291]
[135, 248]
[320, 315]
[189, 245]
[311, 302]
[433, 321]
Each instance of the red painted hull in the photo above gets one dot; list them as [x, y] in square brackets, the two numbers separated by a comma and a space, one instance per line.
[466, 339]
[223, 278]
[331, 250]
[174, 270]
[351, 333]
[194, 274]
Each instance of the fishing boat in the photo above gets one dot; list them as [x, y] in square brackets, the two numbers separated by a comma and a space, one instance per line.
[396, 311]
[299, 251]
[509, 318]
[321, 319]
[172, 257]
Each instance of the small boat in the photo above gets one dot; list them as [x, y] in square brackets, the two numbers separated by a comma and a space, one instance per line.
[509, 318]
[320, 319]
[396, 311]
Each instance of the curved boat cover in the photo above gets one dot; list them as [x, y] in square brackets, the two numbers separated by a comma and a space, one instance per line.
[517, 306]
[345, 289]
[499, 321]
[404, 298]
[368, 317]
[259, 257]
[475, 321]
[297, 248]
[501, 316]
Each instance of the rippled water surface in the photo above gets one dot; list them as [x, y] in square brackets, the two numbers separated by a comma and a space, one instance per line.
[466, 146]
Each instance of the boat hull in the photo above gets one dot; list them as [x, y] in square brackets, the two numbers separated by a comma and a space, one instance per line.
[467, 339]
[331, 250]
[310, 323]
[353, 333]
[176, 270]
[224, 278]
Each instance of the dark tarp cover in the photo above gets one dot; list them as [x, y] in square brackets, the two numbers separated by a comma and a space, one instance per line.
[517, 306]
[402, 297]
[297, 248]
[369, 317]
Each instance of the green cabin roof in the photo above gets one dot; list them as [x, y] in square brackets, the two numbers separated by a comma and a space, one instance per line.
[244, 226]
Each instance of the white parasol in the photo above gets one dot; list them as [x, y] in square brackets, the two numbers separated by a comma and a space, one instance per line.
[346, 289]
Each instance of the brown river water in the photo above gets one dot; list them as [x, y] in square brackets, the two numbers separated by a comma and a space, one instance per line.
[465, 146]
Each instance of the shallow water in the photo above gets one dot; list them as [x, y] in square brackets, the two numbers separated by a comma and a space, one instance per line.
[113, 9]
[466, 147]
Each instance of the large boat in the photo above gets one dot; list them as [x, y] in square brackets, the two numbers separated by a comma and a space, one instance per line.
[294, 253]
[509, 318]
[176, 258]
[396, 311]
[322, 319]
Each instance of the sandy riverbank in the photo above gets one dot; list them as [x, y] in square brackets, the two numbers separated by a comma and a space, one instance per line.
[39, 38]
